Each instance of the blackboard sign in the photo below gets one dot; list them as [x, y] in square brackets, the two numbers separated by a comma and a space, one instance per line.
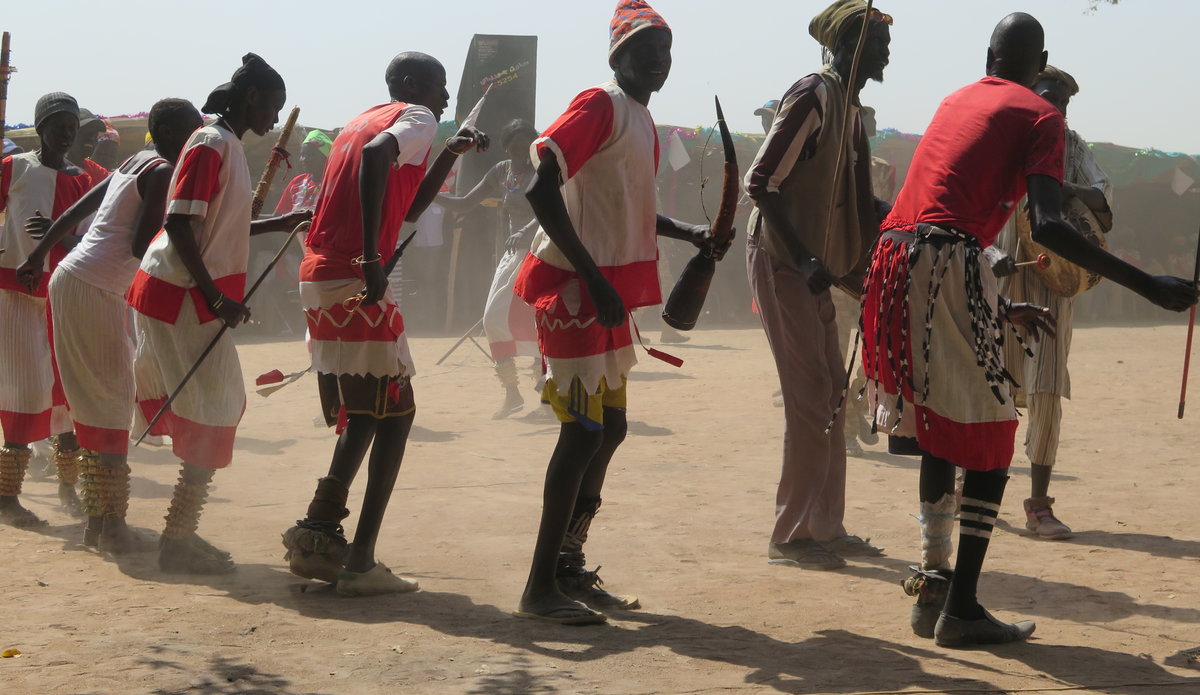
[508, 65]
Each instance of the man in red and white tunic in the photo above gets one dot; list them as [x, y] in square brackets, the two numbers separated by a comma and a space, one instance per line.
[192, 278]
[593, 260]
[375, 180]
[931, 314]
[32, 404]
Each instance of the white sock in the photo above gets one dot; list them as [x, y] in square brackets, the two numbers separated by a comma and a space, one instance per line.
[937, 528]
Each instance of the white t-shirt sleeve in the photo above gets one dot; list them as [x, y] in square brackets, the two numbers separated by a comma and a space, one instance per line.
[414, 131]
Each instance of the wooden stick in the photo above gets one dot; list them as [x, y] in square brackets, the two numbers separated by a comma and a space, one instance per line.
[5, 70]
[277, 155]
[1187, 354]
[1042, 261]
[851, 81]
[303, 226]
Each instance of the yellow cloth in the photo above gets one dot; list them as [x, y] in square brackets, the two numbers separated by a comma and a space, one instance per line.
[577, 405]
[827, 27]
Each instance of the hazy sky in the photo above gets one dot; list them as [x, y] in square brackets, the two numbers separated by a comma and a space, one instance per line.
[121, 56]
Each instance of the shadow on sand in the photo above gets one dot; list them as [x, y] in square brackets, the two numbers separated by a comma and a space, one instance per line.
[263, 447]
[424, 434]
[222, 676]
[658, 376]
[830, 661]
[819, 664]
[1034, 596]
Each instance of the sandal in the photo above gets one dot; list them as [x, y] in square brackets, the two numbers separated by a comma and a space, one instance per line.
[804, 553]
[852, 546]
[565, 615]
[377, 581]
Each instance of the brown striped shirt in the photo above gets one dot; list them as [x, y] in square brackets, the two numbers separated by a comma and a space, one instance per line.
[793, 136]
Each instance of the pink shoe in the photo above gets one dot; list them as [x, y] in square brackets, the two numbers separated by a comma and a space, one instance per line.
[1040, 520]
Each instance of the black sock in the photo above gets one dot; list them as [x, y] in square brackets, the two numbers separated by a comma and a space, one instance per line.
[937, 478]
[982, 493]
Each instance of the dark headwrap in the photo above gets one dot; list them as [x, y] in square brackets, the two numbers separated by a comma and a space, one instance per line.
[254, 73]
[1058, 75]
[828, 26]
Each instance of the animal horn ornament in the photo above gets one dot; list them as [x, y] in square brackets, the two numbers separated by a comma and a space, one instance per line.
[687, 298]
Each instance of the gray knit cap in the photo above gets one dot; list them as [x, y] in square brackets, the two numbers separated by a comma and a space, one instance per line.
[52, 103]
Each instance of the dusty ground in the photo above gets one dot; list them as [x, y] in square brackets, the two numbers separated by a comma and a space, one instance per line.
[684, 525]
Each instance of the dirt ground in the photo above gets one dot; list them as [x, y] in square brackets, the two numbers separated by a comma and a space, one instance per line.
[687, 511]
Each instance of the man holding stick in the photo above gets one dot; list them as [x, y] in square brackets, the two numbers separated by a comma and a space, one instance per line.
[376, 179]
[931, 315]
[192, 276]
[813, 225]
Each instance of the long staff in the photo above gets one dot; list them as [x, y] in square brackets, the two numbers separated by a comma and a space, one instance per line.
[841, 150]
[1187, 355]
[303, 226]
[833, 194]
[278, 154]
[5, 70]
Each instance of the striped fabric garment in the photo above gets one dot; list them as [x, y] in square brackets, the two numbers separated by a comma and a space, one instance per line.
[1044, 426]
[31, 403]
[931, 349]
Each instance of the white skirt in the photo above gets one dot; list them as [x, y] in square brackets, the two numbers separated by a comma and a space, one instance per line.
[202, 421]
[28, 408]
[94, 347]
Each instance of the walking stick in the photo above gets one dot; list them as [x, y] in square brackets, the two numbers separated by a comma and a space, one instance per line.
[279, 153]
[1187, 354]
[5, 70]
[303, 226]
[834, 193]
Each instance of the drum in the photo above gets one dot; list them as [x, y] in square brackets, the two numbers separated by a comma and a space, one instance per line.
[1063, 277]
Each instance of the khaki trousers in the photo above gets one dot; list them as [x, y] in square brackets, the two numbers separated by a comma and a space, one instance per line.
[802, 331]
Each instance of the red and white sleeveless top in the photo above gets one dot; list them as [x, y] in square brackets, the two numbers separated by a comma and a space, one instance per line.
[104, 256]
[212, 182]
[336, 233]
[27, 186]
[607, 150]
